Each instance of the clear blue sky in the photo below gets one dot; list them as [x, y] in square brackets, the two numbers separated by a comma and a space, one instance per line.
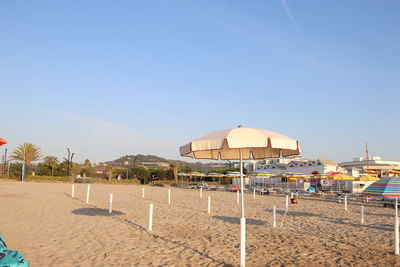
[110, 78]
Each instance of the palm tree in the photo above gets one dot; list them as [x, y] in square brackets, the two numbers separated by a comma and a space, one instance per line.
[26, 152]
[174, 167]
[52, 162]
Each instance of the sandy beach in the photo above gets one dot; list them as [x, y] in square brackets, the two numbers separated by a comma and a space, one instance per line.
[51, 228]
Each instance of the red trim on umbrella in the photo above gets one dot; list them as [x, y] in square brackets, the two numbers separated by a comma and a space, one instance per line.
[3, 141]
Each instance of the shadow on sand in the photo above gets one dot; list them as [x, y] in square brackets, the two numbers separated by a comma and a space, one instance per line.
[382, 227]
[96, 212]
[294, 213]
[178, 243]
[236, 220]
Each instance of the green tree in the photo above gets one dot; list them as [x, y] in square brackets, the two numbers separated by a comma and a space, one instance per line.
[159, 173]
[139, 173]
[87, 163]
[86, 171]
[109, 169]
[52, 162]
[185, 168]
[174, 167]
[26, 152]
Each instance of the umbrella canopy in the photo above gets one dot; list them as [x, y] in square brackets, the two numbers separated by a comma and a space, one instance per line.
[214, 174]
[233, 174]
[370, 172]
[315, 173]
[332, 173]
[366, 178]
[341, 177]
[322, 176]
[295, 175]
[392, 172]
[3, 141]
[254, 143]
[389, 188]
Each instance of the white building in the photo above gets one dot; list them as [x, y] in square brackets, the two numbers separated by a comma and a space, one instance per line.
[296, 165]
[359, 165]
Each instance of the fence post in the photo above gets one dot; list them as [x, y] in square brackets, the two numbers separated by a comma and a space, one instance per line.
[87, 194]
[151, 217]
[111, 201]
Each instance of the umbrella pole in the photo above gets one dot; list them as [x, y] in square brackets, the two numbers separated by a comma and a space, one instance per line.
[242, 219]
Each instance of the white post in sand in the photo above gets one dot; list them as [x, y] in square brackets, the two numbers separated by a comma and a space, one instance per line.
[111, 200]
[73, 190]
[291, 195]
[87, 194]
[201, 192]
[169, 196]
[396, 235]
[396, 208]
[287, 203]
[345, 203]
[362, 214]
[274, 216]
[254, 193]
[151, 217]
[143, 192]
[237, 197]
[209, 204]
[242, 241]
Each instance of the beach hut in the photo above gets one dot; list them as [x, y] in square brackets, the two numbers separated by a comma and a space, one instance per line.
[241, 144]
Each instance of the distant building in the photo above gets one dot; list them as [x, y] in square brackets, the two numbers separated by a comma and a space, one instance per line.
[361, 165]
[296, 165]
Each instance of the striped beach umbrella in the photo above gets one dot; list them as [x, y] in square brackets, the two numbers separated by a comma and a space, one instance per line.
[389, 188]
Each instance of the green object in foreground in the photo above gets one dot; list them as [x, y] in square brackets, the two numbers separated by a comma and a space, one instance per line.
[11, 258]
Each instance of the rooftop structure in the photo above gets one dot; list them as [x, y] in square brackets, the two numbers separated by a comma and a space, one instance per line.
[361, 165]
[296, 165]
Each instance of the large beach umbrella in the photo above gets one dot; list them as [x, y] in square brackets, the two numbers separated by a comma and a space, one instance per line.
[388, 188]
[3, 141]
[341, 177]
[366, 178]
[239, 144]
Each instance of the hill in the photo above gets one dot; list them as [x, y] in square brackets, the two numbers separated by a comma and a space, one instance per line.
[151, 161]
